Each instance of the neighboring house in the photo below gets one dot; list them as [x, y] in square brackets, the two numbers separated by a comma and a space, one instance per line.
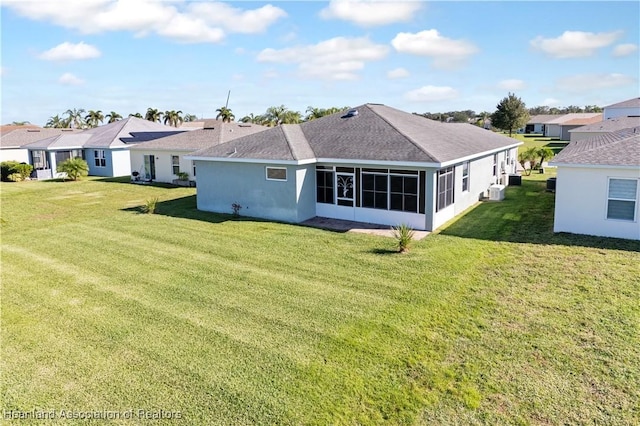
[161, 159]
[628, 108]
[603, 127]
[13, 139]
[372, 164]
[560, 126]
[536, 123]
[597, 186]
[105, 148]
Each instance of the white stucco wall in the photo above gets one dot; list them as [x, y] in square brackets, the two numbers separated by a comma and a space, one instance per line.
[14, 154]
[620, 112]
[163, 163]
[120, 163]
[552, 130]
[581, 203]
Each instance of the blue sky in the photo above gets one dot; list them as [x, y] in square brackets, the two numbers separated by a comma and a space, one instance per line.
[128, 55]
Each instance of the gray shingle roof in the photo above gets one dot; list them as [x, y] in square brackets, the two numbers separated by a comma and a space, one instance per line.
[111, 135]
[20, 137]
[542, 118]
[214, 134]
[621, 148]
[611, 125]
[65, 141]
[629, 103]
[576, 117]
[376, 133]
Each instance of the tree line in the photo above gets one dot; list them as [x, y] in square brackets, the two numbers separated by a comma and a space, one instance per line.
[78, 118]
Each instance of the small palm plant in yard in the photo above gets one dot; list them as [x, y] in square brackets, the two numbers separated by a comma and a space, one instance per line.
[149, 206]
[403, 234]
[75, 168]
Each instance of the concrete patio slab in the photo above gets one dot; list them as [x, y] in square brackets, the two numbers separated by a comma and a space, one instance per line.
[359, 227]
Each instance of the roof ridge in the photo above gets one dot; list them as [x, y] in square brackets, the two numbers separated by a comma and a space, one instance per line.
[420, 148]
[298, 145]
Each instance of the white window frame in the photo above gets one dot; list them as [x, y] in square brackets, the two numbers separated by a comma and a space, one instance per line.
[193, 167]
[468, 164]
[495, 165]
[635, 200]
[100, 159]
[266, 172]
[175, 162]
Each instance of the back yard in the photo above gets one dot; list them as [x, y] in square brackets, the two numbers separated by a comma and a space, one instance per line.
[495, 320]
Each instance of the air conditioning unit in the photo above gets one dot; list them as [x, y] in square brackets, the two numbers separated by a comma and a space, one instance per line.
[496, 192]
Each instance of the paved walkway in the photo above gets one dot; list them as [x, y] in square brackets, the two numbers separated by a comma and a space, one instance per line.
[350, 226]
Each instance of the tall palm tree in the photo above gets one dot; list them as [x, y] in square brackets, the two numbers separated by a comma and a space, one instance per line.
[313, 113]
[56, 122]
[173, 118]
[225, 114]
[94, 118]
[113, 117]
[136, 114]
[74, 118]
[153, 115]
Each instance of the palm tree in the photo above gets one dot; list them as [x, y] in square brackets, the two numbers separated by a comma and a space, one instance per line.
[136, 114]
[189, 117]
[20, 123]
[313, 113]
[94, 118]
[113, 117]
[173, 118]
[55, 122]
[225, 113]
[74, 118]
[153, 115]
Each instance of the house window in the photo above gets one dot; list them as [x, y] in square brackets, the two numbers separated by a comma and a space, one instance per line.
[445, 188]
[375, 190]
[99, 158]
[621, 201]
[465, 176]
[495, 165]
[175, 164]
[193, 167]
[324, 185]
[404, 193]
[276, 173]
[390, 189]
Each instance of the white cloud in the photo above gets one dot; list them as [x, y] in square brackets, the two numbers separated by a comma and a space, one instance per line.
[625, 49]
[398, 73]
[177, 20]
[370, 13]
[574, 44]
[511, 84]
[69, 79]
[593, 82]
[445, 52]
[431, 94]
[339, 58]
[68, 51]
[551, 102]
[237, 20]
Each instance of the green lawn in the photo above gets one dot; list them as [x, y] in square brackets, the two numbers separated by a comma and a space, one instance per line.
[494, 320]
[535, 140]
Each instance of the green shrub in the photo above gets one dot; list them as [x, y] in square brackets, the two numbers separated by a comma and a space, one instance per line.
[403, 235]
[75, 168]
[149, 206]
[183, 176]
[14, 171]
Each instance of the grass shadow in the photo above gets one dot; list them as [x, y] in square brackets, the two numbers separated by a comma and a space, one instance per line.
[383, 251]
[526, 216]
[127, 180]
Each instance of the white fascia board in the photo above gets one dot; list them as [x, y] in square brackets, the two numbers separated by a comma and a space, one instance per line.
[251, 160]
[480, 154]
[396, 164]
[60, 148]
[594, 166]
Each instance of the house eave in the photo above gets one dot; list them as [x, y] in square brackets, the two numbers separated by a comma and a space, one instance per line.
[478, 155]
[595, 166]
